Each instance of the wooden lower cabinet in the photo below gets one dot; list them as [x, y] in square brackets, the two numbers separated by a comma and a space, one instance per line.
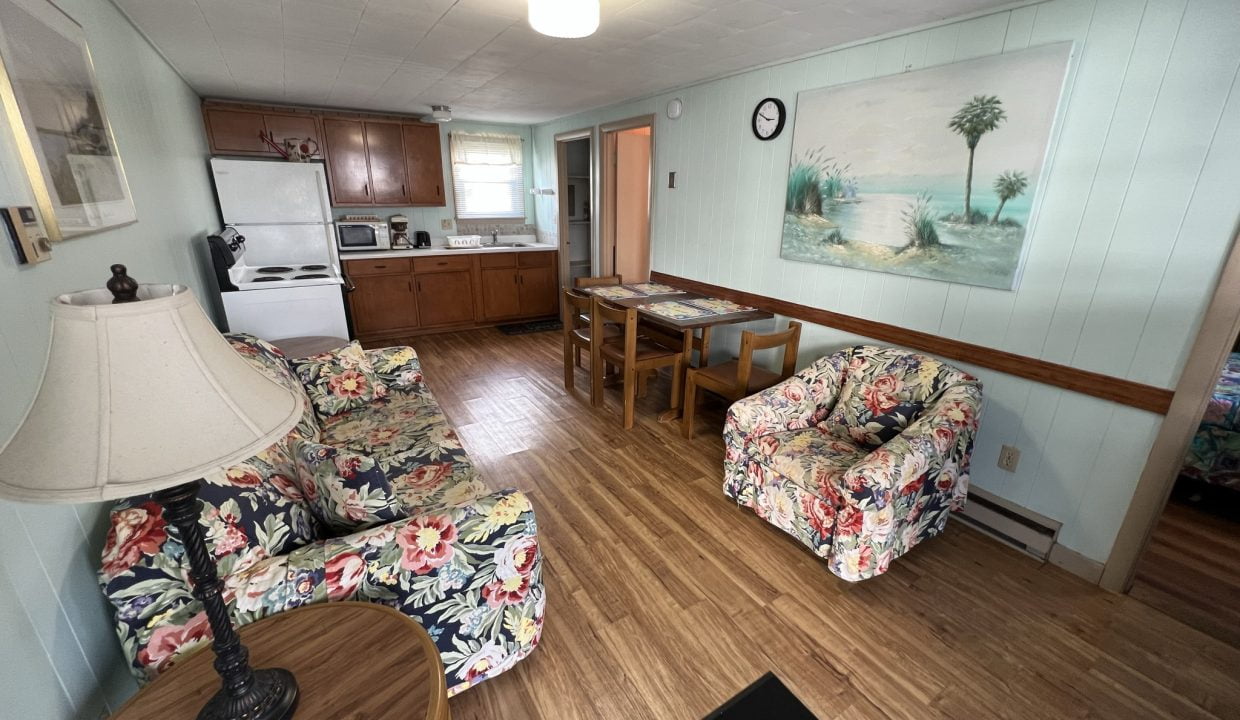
[409, 296]
[382, 304]
[501, 295]
[445, 298]
[539, 294]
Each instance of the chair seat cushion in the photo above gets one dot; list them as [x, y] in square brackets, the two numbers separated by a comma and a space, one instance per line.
[646, 350]
[813, 458]
[401, 423]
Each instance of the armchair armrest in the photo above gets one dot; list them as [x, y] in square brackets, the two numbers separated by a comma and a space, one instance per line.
[903, 491]
[798, 402]
[398, 367]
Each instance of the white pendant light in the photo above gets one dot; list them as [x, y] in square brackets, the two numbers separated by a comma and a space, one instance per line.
[564, 18]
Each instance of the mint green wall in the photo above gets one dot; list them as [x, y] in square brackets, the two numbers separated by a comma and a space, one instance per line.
[60, 656]
[427, 218]
[1138, 213]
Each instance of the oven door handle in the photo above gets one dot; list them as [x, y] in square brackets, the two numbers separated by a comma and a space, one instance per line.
[348, 285]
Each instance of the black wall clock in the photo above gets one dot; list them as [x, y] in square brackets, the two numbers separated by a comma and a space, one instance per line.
[768, 119]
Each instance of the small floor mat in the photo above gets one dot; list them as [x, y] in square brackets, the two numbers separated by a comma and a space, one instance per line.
[767, 697]
[531, 327]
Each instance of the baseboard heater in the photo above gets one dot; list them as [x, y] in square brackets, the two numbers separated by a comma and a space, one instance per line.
[1009, 523]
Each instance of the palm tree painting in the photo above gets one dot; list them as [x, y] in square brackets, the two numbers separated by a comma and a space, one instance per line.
[877, 182]
[979, 116]
[1008, 185]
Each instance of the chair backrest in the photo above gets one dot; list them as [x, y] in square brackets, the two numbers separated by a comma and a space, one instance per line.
[576, 304]
[604, 313]
[585, 282]
[883, 390]
[789, 338]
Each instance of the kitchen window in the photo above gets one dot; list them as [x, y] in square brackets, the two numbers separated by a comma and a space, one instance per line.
[488, 176]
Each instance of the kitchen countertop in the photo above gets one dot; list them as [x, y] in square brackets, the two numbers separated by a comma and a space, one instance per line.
[442, 250]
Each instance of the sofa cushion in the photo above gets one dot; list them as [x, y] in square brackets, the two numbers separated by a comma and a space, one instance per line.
[339, 380]
[815, 459]
[346, 491]
[401, 423]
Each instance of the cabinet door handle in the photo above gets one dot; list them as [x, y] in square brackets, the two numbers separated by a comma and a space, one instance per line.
[403, 191]
[419, 286]
[380, 267]
[366, 189]
[438, 191]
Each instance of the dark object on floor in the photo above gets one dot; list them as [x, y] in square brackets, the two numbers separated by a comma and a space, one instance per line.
[530, 327]
[767, 697]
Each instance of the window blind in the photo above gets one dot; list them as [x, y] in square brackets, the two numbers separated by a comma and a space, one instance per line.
[488, 176]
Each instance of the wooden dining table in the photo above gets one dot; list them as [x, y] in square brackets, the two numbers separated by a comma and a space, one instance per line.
[685, 327]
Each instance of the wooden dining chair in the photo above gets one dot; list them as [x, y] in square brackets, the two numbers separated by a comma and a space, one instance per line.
[633, 355]
[577, 336]
[585, 282]
[739, 378]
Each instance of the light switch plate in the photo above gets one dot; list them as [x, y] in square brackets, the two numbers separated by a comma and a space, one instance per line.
[445, 224]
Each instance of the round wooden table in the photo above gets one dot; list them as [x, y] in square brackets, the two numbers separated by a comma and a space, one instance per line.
[351, 659]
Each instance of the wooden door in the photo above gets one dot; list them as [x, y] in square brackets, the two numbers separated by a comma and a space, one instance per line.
[346, 161]
[383, 303]
[386, 151]
[235, 131]
[292, 127]
[538, 291]
[424, 164]
[445, 298]
[501, 296]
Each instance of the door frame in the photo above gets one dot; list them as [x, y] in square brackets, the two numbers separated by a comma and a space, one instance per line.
[607, 187]
[561, 188]
[1219, 329]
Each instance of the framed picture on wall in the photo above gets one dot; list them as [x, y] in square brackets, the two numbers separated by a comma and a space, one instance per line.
[56, 114]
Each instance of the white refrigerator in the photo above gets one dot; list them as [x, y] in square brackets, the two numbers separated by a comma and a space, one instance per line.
[284, 212]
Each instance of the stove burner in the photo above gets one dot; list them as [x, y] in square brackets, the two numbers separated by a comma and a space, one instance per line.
[267, 278]
[275, 270]
[309, 268]
[312, 276]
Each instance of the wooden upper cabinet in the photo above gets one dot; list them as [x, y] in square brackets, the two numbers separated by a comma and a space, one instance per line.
[292, 127]
[347, 166]
[235, 131]
[386, 152]
[424, 164]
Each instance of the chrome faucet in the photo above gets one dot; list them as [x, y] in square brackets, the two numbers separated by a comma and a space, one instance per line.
[494, 236]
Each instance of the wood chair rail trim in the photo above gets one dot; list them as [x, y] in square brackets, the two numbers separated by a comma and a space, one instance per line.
[1117, 390]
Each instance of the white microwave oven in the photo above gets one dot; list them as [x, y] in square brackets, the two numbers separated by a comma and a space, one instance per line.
[362, 236]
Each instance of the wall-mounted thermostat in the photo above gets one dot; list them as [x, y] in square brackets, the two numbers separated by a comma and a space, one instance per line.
[27, 233]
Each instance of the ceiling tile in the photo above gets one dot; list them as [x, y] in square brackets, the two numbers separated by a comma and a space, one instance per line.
[401, 55]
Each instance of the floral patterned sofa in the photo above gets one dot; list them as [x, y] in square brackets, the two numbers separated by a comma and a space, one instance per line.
[376, 503]
[860, 456]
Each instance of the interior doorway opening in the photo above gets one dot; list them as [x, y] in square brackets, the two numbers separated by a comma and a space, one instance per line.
[627, 184]
[576, 195]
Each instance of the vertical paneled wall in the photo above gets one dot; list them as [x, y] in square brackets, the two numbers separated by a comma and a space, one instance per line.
[59, 652]
[1137, 212]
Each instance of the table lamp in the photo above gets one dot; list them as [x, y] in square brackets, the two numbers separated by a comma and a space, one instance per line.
[141, 394]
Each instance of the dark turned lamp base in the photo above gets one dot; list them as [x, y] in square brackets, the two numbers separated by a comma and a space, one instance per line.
[247, 694]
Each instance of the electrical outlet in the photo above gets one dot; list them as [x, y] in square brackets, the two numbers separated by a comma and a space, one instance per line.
[1009, 458]
[445, 224]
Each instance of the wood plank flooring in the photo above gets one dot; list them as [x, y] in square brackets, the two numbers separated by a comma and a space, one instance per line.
[664, 598]
[1191, 571]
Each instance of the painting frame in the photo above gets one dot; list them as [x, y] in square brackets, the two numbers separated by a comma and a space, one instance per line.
[877, 173]
[56, 113]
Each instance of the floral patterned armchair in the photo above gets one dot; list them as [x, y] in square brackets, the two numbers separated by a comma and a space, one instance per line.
[376, 503]
[860, 456]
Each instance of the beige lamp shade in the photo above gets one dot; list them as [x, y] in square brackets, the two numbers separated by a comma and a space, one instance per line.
[138, 397]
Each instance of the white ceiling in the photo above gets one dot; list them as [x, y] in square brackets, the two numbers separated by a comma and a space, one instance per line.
[482, 58]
